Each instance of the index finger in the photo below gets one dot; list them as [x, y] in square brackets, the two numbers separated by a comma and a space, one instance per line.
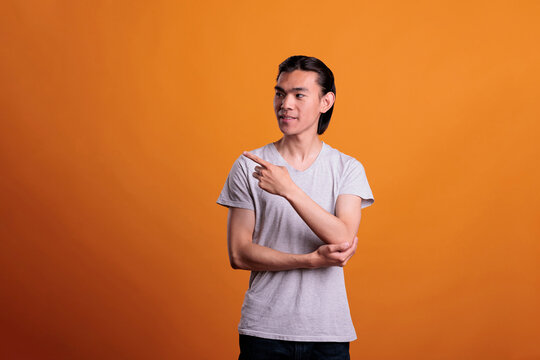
[355, 242]
[351, 251]
[257, 159]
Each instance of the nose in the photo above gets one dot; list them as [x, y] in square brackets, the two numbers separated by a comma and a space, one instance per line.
[287, 101]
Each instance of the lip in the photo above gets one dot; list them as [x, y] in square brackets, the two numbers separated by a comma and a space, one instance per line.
[286, 118]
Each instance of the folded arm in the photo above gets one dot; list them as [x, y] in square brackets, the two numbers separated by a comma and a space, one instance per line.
[244, 254]
[330, 228]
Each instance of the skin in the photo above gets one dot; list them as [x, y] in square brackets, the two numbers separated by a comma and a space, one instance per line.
[298, 103]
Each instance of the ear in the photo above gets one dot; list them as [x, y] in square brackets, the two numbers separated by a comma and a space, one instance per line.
[327, 101]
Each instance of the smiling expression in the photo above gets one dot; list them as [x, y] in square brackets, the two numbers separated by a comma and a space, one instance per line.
[298, 102]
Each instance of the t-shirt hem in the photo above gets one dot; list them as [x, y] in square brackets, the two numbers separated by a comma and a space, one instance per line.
[368, 200]
[322, 338]
[237, 204]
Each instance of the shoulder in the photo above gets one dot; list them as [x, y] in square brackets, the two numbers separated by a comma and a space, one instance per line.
[265, 152]
[244, 164]
[340, 159]
[352, 177]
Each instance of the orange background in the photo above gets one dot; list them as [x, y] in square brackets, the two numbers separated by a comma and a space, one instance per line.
[119, 121]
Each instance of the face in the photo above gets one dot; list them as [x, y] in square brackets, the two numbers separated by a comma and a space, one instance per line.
[298, 102]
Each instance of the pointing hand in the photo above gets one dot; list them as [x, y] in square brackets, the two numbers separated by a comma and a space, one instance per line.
[272, 178]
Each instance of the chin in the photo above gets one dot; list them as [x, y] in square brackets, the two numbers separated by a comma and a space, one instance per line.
[291, 131]
[286, 131]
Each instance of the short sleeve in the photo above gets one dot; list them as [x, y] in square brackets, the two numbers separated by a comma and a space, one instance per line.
[354, 181]
[236, 191]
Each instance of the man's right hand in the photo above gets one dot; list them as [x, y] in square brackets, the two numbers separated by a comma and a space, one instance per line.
[334, 254]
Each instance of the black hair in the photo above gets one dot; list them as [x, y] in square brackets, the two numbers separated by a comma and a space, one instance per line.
[325, 79]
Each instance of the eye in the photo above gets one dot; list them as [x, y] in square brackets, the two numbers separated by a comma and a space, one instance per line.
[278, 94]
[300, 96]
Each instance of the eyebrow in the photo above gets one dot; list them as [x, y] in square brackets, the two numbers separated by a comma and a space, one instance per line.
[297, 89]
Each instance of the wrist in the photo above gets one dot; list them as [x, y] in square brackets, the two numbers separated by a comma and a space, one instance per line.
[312, 260]
[291, 193]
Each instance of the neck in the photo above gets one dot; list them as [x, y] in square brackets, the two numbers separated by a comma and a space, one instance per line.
[299, 147]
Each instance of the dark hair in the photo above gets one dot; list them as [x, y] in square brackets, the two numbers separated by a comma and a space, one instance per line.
[325, 80]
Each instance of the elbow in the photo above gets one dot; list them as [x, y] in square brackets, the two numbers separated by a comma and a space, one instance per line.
[235, 265]
[339, 240]
[342, 238]
[236, 262]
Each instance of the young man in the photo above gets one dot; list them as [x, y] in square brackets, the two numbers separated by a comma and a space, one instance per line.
[294, 209]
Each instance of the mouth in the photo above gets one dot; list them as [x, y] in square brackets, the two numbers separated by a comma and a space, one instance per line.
[286, 118]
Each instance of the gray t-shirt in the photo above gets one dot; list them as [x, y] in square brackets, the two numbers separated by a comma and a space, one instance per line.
[301, 304]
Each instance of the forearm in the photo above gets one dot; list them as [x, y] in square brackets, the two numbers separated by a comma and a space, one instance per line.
[255, 257]
[260, 258]
[328, 227]
[244, 254]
